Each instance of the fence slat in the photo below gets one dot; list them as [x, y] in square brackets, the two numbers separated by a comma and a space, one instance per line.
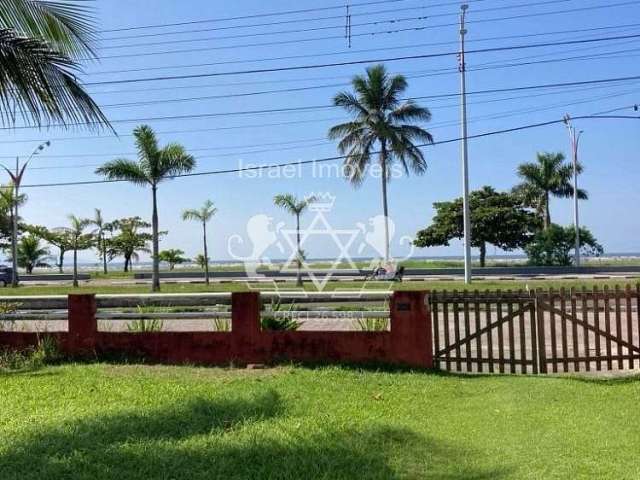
[607, 326]
[628, 306]
[445, 316]
[436, 325]
[552, 328]
[618, 313]
[563, 330]
[500, 335]
[489, 337]
[456, 330]
[574, 331]
[476, 310]
[523, 333]
[585, 316]
[534, 332]
[596, 321]
[467, 331]
[512, 342]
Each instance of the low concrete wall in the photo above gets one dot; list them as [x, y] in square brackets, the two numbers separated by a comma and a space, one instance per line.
[407, 343]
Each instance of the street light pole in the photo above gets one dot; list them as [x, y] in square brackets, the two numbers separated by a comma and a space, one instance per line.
[16, 178]
[466, 212]
[574, 139]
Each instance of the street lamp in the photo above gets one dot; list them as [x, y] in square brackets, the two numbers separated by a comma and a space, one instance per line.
[574, 138]
[16, 178]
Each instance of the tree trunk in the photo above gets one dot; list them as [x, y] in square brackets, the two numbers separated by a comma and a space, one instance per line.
[483, 254]
[75, 267]
[155, 281]
[547, 211]
[14, 240]
[127, 261]
[385, 208]
[299, 260]
[206, 253]
[104, 254]
[61, 261]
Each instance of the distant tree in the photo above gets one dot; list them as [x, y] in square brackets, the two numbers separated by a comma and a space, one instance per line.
[79, 241]
[58, 237]
[295, 207]
[554, 246]
[31, 253]
[154, 166]
[129, 239]
[548, 176]
[10, 203]
[382, 124]
[172, 257]
[202, 215]
[497, 218]
[202, 262]
[100, 234]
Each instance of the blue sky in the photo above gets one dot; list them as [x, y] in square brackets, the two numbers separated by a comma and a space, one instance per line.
[609, 148]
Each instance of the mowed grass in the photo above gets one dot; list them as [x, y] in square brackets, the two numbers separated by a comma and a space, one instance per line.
[309, 286]
[148, 422]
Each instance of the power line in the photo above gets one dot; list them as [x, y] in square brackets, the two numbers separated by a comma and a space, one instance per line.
[359, 62]
[321, 107]
[337, 157]
[426, 27]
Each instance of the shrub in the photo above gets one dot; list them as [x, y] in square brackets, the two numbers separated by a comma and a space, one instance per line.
[554, 246]
[144, 325]
[271, 322]
[222, 324]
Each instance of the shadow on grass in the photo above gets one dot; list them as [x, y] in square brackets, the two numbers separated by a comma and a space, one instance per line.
[228, 439]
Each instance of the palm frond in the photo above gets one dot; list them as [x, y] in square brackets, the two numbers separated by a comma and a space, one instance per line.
[174, 160]
[350, 103]
[123, 169]
[410, 112]
[147, 146]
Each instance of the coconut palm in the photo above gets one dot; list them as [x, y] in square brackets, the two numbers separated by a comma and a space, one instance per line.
[10, 202]
[383, 121]
[41, 44]
[79, 240]
[31, 253]
[155, 165]
[548, 176]
[295, 207]
[101, 239]
[202, 215]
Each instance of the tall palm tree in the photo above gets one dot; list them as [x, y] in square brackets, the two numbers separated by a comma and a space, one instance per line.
[9, 201]
[100, 232]
[202, 215]
[295, 207]
[155, 165]
[79, 241]
[548, 176]
[383, 121]
[41, 45]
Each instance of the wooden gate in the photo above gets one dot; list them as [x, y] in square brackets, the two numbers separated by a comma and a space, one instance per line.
[584, 330]
[484, 332]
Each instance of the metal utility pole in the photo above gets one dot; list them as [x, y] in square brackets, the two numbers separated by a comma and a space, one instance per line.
[574, 139]
[16, 178]
[465, 157]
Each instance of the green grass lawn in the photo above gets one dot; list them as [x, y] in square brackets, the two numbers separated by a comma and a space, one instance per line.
[143, 422]
[241, 286]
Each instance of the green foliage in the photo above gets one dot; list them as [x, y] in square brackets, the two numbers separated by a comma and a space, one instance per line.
[372, 324]
[173, 257]
[554, 246]
[129, 240]
[285, 323]
[497, 218]
[221, 324]
[200, 260]
[145, 325]
[46, 352]
[31, 253]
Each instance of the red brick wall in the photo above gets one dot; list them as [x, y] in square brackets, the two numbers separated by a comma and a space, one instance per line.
[408, 343]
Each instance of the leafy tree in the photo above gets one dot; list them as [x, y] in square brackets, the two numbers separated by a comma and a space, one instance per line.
[41, 44]
[58, 237]
[155, 165]
[554, 246]
[173, 257]
[548, 176]
[10, 203]
[295, 207]
[381, 121]
[202, 262]
[100, 233]
[130, 240]
[497, 218]
[31, 253]
[79, 241]
[202, 215]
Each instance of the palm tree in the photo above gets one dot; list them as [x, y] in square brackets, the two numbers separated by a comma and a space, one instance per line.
[101, 240]
[155, 165]
[548, 176]
[10, 202]
[41, 44]
[203, 215]
[79, 241]
[382, 120]
[173, 257]
[31, 254]
[295, 207]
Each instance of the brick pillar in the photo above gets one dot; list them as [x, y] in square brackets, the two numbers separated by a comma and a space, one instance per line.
[411, 329]
[245, 327]
[83, 326]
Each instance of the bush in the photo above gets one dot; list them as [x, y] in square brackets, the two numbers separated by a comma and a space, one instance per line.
[44, 353]
[144, 325]
[273, 323]
[554, 246]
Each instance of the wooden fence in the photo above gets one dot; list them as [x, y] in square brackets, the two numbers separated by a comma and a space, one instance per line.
[536, 332]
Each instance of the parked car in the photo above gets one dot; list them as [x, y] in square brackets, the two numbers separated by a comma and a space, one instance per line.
[6, 275]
